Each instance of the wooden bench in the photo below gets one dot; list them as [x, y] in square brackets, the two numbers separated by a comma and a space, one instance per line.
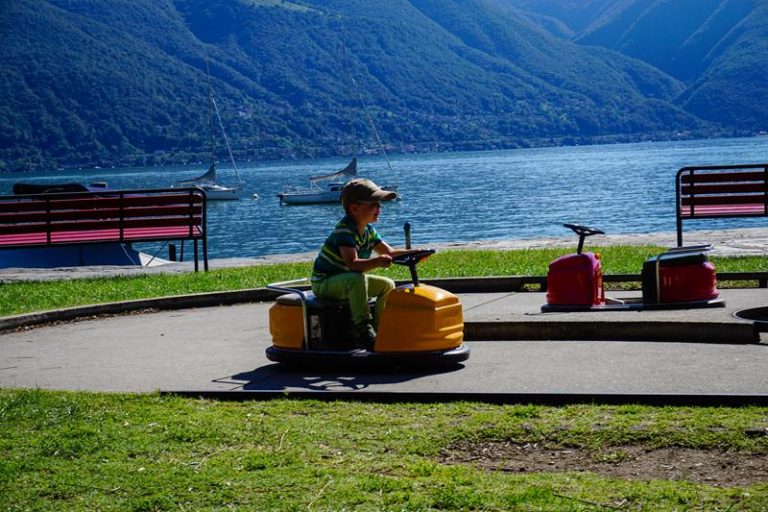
[721, 191]
[119, 216]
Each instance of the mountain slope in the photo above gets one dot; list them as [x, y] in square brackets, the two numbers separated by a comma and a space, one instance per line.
[733, 88]
[681, 37]
[108, 81]
[716, 47]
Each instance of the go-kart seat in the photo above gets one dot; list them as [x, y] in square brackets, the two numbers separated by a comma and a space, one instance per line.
[328, 320]
[314, 303]
[294, 299]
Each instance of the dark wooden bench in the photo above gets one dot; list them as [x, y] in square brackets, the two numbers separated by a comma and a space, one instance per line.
[720, 191]
[119, 216]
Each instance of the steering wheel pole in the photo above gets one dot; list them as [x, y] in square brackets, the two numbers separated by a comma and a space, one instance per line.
[582, 237]
[407, 229]
[583, 233]
[414, 275]
[411, 259]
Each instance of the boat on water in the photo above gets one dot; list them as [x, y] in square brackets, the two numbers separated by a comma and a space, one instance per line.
[329, 193]
[213, 190]
[324, 188]
[52, 188]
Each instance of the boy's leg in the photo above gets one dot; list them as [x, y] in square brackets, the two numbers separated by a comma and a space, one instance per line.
[379, 287]
[356, 287]
[347, 285]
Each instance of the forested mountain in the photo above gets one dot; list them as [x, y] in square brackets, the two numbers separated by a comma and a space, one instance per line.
[718, 48]
[106, 82]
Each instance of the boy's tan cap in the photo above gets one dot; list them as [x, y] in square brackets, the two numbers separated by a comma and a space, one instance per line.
[364, 191]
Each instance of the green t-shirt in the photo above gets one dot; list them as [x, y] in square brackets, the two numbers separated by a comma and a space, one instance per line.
[329, 261]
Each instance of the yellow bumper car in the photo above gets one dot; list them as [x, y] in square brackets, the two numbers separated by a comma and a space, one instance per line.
[421, 325]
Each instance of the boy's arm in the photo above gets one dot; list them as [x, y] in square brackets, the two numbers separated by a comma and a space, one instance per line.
[384, 248]
[357, 264]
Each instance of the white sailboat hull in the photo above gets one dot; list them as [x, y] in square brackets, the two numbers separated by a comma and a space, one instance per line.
[332, 194]
[221, 193]
[310, 197]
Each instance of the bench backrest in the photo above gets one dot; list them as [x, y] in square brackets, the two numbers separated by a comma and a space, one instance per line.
[722, 185]
[122, 215]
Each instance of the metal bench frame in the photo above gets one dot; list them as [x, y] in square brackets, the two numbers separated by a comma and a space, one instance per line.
[720, 191]
[109, 216]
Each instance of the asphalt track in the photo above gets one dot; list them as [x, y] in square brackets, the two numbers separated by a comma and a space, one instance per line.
[691, 356]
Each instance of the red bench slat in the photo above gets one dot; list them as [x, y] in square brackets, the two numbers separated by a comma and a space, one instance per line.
[724, 188]
[107, 235]
[95, 225]
[723, 177]
[102, 214]
[88, 201]
[720, 210]
[724, 200]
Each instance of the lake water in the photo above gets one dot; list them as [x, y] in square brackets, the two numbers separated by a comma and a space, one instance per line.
[454, 197]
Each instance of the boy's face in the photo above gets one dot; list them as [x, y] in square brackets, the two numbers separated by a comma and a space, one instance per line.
[366, 213]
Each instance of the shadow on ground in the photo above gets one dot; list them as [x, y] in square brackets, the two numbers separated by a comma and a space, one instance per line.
[276, 377]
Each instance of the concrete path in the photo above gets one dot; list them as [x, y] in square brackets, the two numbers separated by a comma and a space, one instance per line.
[221, 349]
[518, 353]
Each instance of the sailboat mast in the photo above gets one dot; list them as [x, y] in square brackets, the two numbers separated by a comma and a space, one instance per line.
[213, 108]
[349, 93]
[362, 101]
[210, 114]
[226, 140]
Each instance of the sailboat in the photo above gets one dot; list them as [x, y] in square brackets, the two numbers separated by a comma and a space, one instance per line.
[215, 191]
[323, 188]
[326, 188]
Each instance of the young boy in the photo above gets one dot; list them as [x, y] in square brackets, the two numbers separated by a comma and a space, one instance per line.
[340, 266]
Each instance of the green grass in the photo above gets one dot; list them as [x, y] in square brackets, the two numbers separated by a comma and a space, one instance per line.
[79, 451]
[88, 451]
[25, 297]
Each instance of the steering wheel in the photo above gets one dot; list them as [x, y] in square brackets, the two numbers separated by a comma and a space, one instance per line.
[584, 230]
[583, 233]
[411, 259]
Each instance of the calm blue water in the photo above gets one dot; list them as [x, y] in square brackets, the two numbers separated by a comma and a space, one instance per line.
[454, 197]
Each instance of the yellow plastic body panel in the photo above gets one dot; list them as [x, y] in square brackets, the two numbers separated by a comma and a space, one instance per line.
[286, 326]
[420, 318]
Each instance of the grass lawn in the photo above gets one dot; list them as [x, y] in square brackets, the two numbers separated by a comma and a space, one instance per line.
[146, 452]
[80, 451]
[25, 297]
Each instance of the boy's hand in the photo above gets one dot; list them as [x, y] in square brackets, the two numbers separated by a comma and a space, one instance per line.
[385, 261]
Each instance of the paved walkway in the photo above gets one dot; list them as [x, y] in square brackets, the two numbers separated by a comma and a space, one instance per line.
[518, 353]
[221, 349]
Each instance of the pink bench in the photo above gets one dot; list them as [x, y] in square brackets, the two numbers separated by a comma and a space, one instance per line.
[119, 216]
[720, 191]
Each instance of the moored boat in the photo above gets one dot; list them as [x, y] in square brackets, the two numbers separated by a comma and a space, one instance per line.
[324, 188]
[51, 188]
[213, 190]
[330, 193]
